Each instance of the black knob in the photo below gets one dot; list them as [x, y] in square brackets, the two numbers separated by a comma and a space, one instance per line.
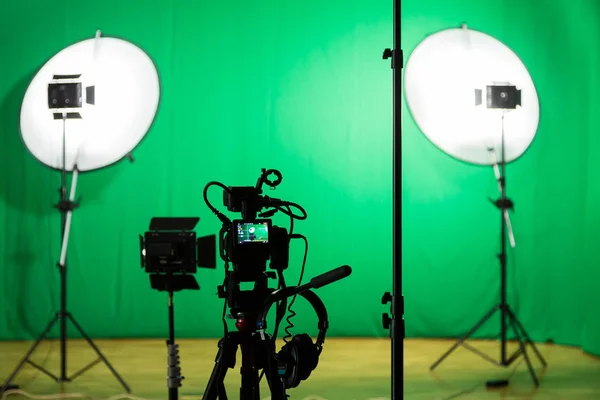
[386, 320]
[387, 298]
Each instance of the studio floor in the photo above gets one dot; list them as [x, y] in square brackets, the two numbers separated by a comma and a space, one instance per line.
[350, 369]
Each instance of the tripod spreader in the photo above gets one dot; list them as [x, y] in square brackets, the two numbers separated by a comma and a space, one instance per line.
[67, 205]
[503, 204]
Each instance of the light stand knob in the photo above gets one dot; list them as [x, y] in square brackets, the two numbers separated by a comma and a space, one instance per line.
[386, 320]
[174, 377]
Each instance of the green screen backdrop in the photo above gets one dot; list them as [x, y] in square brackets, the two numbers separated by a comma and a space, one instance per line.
[301, 87]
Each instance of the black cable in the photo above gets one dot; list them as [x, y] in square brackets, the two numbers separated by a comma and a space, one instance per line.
[280, 313]
[282, 285]
[212, 208]
[279, 205]
[225, 330]
[292, 313]
[282, 304]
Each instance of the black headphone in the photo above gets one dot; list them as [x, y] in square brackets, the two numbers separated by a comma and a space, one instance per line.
[300, 356]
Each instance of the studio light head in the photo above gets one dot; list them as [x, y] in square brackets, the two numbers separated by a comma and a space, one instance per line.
[170, 247]
[107, 88]
[65, 96]
[499, 96]
[457, 83]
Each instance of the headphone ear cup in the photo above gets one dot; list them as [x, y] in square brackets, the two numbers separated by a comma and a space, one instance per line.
[308, 355]
[289, 356]
[301, 356]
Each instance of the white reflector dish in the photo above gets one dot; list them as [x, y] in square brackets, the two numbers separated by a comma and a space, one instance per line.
[119, 90]
[441, 78]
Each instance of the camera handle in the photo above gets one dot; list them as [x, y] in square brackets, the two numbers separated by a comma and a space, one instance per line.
[264, 179]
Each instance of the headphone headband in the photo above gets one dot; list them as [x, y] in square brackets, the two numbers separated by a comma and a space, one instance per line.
[313, 299]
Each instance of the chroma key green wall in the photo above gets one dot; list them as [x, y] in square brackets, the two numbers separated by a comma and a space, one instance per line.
[301, 87]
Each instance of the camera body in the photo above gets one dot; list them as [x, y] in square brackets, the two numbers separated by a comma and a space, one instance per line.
[251, 240]
[250, 243]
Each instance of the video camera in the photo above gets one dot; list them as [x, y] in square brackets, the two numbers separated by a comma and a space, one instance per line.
[252, 241]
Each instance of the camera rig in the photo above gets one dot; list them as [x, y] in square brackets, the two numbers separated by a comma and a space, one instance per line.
[249, 244]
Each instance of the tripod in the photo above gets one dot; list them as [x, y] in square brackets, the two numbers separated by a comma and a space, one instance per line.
[257, 346]
[506, 314]
[66, 207]
[256, 354]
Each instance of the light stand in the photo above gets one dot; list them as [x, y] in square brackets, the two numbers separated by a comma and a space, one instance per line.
[396, 323]
[173, 283]
[66, 207]
[507, 316]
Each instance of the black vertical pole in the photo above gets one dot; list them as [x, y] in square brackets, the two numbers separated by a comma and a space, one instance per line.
[398, 299]
[503, 300]
[63, 268]
[173, 392]
[396, 322]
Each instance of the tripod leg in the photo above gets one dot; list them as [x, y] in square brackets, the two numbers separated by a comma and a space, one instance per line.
[29, 353]
[275, 383]
[250, 389]
[524, 351]
[526, 336]
[465, 337]
[97, 350]
[225, 359]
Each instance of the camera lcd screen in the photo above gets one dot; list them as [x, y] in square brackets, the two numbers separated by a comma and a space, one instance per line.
[252, 232]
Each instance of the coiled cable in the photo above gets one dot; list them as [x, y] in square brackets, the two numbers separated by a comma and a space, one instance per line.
[292, 313]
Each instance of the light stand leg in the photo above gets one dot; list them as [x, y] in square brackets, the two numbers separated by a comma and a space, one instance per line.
[524, 334]
[25, 359]
[523, 351]
[465, 337]
[100, 356]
